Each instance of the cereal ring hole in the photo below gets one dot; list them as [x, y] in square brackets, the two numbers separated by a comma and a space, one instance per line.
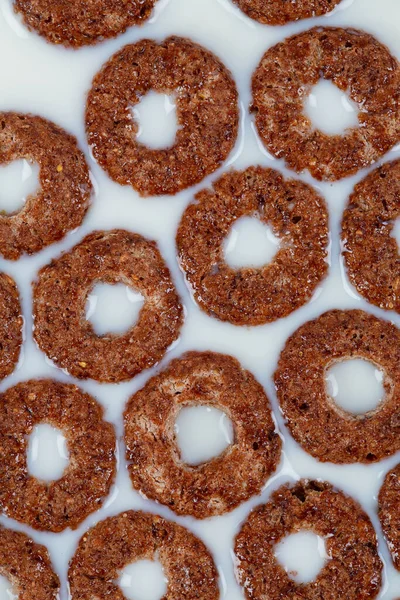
[202, 433]
[143, 580]
[250, 243]
[7, 591]
[113, 308]
[48, 454]
[330, 109]
[19, 179]
[156, 119]
[303, 555]
[356, 385]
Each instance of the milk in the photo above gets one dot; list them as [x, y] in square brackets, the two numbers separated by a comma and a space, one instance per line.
[51, 81]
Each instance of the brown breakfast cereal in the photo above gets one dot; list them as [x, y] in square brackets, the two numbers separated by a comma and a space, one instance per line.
[82, 22]
[324, 429]
[353, 569]
[370, 250]
[113, 544]
[218, 485]
[63, 198]
[27, 566]
[11, 325]
[66, 502]
[355, 62]
[389, 513]
[207, 114]
[60, 295]
[280, 12]
[253, 296]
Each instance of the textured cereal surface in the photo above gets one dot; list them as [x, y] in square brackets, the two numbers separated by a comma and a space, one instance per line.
[253, 296]
[221, 484]
[82, 22]
[389, 513]
[354, 568]
[370, 248]
[91, 443]
[11, 325]
[316, 422]
[60, 295]
[280, 12]
[27, 566]
[356, 63]
[63, 197]
[132, 536]
[206, 109]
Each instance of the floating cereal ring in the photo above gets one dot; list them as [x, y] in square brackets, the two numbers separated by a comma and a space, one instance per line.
[27, 566]
[389, 512]
[280, 12]
[221, 484]
[11, 323]
[353, 569]
[253, 296]
[65, 188]
[323, 429]
[207, 114]
[106, 549]
[355, 62]
[371, 252]
[79, 22]
[60, 295]
[87, 479]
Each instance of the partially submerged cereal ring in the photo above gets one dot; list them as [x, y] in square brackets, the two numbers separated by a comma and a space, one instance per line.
[280, 12]
[27, 566]
[106, 549]
[371, 252]
[63, 198]
[207, 114]
[11, 325]
[353, 569]
[389, 512]
[253, 296]
[356, 63]
[222, 483]
[60, 294]
[82, 22]
[324, 429]
[91, 442]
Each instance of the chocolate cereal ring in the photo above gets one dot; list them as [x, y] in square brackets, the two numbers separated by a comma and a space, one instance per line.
[389, 513]
[11, 324]
[370, 251]
[280, 12]
[355, 62]
[323, 429]
[113, 544]
[253, 296]
[60, 294]
[27, 566]
[91, 441]
[61, 202]
[81, 22]
[353, 569]
[207, 114]
[221, 484]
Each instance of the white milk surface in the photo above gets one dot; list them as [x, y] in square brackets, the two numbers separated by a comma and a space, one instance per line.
[51, 81]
